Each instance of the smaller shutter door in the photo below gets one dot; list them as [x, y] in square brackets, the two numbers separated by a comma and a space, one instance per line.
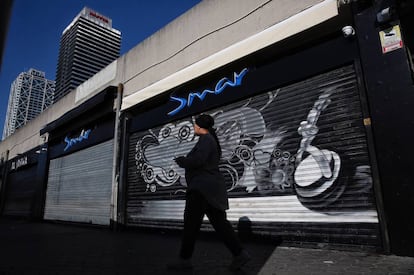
[79, 186]
[21, 186]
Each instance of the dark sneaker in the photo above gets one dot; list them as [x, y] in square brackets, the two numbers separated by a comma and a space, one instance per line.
[240, 260]
[180, 264]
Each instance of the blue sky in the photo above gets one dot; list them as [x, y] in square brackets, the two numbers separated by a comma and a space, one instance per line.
[36, 26]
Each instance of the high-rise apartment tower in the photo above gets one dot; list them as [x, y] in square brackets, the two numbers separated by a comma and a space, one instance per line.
[30, 94]
[87, 45]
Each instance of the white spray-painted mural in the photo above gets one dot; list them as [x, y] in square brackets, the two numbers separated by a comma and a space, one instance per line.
[268, 157]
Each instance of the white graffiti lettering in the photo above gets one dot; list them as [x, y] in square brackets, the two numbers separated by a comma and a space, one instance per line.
[19, 163]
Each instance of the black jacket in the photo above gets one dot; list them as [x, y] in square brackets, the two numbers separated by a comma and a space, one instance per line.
[202, 172]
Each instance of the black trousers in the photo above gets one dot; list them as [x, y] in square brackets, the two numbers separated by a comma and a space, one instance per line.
[196, 206]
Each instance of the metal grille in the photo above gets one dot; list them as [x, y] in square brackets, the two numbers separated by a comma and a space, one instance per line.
[295, 154]
[79, 187]
[20, 193]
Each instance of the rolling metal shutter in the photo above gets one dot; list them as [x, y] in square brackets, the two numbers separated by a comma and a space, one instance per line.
[295, 160]
[21, 187]
[79, 186]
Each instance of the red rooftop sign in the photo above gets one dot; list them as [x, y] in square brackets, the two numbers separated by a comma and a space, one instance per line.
[100, 17]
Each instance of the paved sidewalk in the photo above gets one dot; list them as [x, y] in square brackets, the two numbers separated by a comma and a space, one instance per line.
[46, 248]
[288, 260]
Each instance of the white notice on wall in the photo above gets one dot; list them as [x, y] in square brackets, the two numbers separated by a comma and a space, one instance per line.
[391, 39]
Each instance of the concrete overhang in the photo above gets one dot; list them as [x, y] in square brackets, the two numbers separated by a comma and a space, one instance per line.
[295, 24]
[107, 94]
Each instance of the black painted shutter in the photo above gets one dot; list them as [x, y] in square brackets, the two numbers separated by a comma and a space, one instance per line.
[292, 156]
[21, 187]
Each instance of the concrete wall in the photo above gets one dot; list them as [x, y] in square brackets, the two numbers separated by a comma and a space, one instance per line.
[207, 28]
[28, 137]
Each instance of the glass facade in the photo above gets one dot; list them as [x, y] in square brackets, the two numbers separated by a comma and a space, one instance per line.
[30, 94]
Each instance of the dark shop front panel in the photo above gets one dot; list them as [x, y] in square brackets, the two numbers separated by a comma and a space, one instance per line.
[295, 159]
[20, 193]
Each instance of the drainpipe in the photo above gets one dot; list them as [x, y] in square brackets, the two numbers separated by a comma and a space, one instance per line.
[115, 163]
